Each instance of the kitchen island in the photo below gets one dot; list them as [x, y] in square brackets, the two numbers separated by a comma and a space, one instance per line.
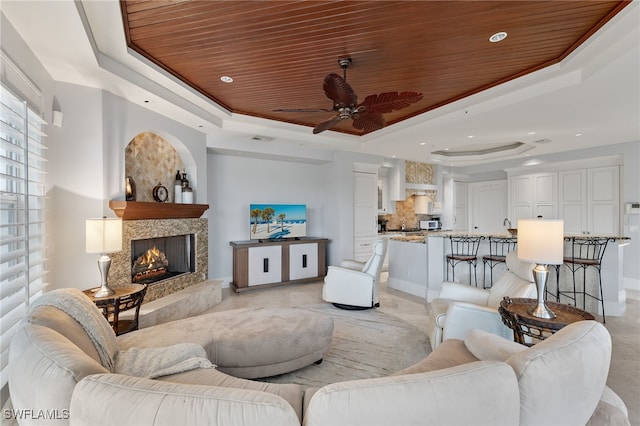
[437, 246]
[408, 264]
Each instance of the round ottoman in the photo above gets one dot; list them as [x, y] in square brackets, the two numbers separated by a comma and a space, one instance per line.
[247, 343]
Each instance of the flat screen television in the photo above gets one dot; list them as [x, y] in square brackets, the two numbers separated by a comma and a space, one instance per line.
[276, 221]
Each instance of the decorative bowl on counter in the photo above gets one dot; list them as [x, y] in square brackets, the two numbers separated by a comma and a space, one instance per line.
[513, 231]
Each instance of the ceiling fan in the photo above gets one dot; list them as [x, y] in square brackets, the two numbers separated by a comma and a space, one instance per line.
[367, 115]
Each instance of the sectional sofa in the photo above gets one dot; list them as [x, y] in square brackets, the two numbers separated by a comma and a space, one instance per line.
[55, 367]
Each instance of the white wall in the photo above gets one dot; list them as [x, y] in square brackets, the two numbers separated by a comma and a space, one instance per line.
[236, 182]
[86, 170]
[326, 189]
[76, 190]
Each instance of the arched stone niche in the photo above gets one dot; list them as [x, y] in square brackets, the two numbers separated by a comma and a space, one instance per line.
[150, 159]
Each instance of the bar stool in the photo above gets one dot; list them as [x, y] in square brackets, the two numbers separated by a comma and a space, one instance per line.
[499, 247]
[585, 253]
[463, 249]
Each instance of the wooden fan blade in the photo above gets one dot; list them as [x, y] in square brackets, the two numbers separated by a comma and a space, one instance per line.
[390, 101]
[326, 125]
[338, 90]
[302, 110]
[369, 121]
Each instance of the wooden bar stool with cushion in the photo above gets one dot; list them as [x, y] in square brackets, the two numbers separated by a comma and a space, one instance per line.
[499, 247]
[463, 249]
[585, 253]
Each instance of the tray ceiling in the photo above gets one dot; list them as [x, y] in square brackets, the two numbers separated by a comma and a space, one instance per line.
[278, 53]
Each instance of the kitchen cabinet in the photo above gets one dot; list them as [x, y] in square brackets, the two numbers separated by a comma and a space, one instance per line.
[589, 200]
[533, 195]
[365, 213]
[460, 206]
[573, 200]
[396, 182]
[385, 205]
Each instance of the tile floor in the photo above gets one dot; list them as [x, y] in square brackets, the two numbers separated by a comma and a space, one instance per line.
[624, 373]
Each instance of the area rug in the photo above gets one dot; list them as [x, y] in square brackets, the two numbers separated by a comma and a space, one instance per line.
[365, 344]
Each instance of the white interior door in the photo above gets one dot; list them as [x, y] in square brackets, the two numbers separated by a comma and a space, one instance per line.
[488, 206]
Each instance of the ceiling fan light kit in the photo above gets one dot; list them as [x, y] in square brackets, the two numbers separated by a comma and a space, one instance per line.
[366, 116]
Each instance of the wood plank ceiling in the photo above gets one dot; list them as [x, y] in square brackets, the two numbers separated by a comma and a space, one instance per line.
[278, 52]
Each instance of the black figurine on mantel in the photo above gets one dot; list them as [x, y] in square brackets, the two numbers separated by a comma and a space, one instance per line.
[130, 189]
[185, 181]
[177, 194]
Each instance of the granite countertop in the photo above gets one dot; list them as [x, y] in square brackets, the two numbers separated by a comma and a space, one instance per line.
[419, 239]
[507, 235]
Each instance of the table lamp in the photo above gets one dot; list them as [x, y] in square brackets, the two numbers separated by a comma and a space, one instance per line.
[104, 236]
[541, 242]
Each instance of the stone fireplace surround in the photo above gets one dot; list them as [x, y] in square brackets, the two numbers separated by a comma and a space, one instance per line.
[173, 298]
[120, 273]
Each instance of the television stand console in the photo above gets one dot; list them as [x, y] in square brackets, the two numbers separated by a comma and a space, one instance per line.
[271, 263]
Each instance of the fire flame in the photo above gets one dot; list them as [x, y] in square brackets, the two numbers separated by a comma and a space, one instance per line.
[151, 257]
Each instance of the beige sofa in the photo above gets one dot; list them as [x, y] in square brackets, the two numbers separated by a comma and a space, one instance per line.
[485, 379]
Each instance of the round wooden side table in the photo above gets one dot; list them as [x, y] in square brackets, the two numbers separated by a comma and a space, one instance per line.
[126, 297]
[515, 315]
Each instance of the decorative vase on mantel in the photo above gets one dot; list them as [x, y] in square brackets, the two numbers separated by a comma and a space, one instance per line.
[130, 189]
[177, 194]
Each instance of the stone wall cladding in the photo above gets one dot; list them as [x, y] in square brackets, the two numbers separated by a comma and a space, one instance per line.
[415, 172]
[149, 159]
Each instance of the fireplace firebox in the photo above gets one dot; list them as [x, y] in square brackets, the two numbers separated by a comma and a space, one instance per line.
[160, 258]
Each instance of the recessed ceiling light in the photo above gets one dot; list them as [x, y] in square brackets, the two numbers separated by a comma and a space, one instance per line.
[531, 133]
[423, 143]
[498, 37]
[470, 136]
[578, 134]
[226, 79]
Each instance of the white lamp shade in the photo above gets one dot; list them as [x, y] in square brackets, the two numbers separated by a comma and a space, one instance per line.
[104, 235]
[541, 241]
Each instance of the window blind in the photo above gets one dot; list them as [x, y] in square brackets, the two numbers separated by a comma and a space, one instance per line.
[23, 270]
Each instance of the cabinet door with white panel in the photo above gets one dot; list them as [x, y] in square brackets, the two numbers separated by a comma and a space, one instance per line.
[365, 204]
[589, 200]
[363, 248]
[277, 262]
[365, 213]
[534, 195]
[303, 261]
[545, 202]
[461, 206]
[603, 195]
[572, 200]
[265, 265]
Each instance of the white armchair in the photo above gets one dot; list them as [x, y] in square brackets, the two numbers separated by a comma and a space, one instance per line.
[460, 308]
[354, 284]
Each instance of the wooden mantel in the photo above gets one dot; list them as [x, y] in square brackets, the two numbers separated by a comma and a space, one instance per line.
[133, 210]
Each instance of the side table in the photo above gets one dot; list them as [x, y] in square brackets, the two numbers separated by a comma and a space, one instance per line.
[515, 315]
[126, 298]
